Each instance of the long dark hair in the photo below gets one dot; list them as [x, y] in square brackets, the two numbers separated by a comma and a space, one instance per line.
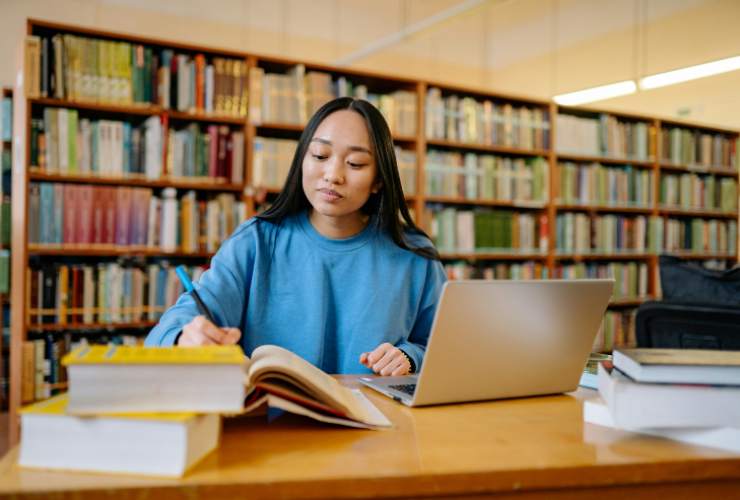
[384, 206]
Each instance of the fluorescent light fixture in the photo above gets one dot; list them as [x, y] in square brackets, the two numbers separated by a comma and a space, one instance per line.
[596, 93]
[690, 73]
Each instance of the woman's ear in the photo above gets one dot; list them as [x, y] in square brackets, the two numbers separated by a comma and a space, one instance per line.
[377, 186]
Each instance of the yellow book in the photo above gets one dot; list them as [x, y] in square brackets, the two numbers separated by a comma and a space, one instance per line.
[151, 444]
[107, 380]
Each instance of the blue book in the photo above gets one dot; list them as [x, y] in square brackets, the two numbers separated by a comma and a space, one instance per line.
[7, 117]
[46, 212]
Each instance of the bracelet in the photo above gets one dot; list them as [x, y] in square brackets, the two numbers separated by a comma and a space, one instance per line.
[412, 365]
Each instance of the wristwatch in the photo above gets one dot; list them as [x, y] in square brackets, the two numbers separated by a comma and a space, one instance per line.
[412, 365]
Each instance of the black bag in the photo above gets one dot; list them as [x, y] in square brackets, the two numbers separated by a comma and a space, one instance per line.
[686, 282]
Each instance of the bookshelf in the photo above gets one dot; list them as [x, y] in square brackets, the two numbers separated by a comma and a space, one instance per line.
[6, 148]
[506, 166]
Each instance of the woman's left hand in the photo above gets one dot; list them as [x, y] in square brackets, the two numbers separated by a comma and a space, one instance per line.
[386, 360]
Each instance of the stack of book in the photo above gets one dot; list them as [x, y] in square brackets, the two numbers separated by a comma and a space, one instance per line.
[687, 395]
[157, 411]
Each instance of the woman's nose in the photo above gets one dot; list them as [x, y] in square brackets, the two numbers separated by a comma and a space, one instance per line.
[333, 172]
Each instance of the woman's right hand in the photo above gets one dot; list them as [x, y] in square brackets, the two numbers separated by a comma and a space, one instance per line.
[200, 331]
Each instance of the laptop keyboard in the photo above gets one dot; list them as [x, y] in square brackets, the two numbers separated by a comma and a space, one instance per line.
[407, 388]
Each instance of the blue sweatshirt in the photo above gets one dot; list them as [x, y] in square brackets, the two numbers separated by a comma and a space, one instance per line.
[326, 300]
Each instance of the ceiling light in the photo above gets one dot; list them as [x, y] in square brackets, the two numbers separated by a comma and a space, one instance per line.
[596, 93]
[690, 73]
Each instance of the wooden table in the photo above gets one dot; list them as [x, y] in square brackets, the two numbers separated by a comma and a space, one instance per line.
[523, 448]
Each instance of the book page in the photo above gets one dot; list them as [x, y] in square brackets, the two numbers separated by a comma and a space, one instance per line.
[269, 360]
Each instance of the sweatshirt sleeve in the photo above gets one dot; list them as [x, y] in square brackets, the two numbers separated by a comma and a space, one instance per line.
[223, 289]
[415, 345]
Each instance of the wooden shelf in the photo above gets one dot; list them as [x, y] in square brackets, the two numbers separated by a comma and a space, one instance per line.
[109, 251]
[603, 256]
[604, 208]
[55, 327]
[534, 205]
[134, 109]
[280, 127]
[699, 169]
[492, 256]
[199, 183]
[137, 110]
[203, 117]
[703, 256]
[605, 160]
[268, 127]
[486, 148]
[697, 213]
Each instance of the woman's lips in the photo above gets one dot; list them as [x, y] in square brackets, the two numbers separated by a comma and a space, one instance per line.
[329, 194]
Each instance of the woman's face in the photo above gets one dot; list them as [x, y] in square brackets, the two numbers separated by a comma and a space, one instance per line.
[339, 171]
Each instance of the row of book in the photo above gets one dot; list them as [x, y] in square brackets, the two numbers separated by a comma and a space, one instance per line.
[107, 293]
[605, 135]
[42, 372]
[486, 177]
[617, 330]
[630, 278]
[696, 235]
[695, 192]
[487, 231]
[465, 119]
[70, 214]
[698, 149]
[622, 186]
[293, 97]
[528, 270]
[578, 233]
[67, 66]
[64, 143]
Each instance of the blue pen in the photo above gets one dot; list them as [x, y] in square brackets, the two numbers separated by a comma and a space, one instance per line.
[185, 279]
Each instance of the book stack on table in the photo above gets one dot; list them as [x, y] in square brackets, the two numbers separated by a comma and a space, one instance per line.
[157, 411]
[688, 395]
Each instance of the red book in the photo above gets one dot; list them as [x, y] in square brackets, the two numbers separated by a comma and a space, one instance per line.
[84, 215]
[200, 76]
[109, 199]
[70, 214]
[223, 132]
[123, 216]
[229, 156]
[98, 214]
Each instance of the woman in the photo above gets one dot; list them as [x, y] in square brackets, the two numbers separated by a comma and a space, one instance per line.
[335, 270]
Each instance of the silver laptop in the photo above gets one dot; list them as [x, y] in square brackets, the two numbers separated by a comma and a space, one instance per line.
[495, 339]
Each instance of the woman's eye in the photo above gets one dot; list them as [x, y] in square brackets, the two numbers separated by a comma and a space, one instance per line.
[356, 165]
[319, 157]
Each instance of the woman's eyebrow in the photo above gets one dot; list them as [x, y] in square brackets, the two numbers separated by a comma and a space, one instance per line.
[351, 148]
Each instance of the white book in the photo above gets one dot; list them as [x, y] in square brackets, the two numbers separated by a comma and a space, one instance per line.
[150, 444]
[168, 235]
[635, 405]
[595, 411]
[153, 148]
[152, 237]
[689, 366]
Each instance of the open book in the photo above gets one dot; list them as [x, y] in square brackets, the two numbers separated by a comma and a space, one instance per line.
[210, 379]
